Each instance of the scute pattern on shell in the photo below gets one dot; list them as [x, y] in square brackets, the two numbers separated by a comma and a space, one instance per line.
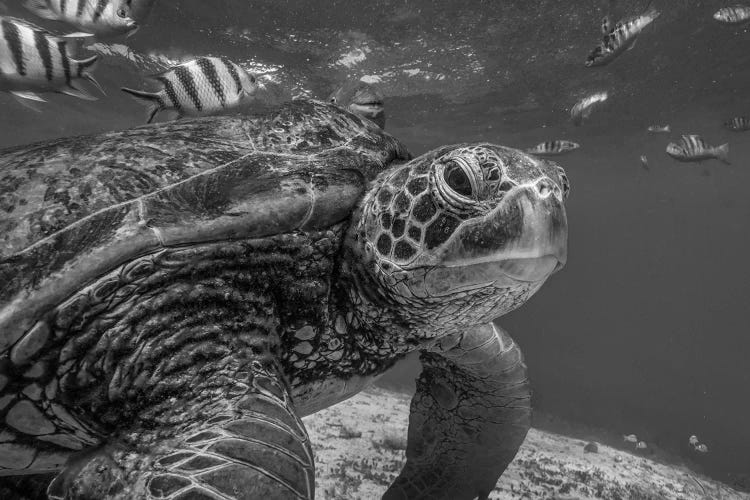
[47, 187]
[96, 198]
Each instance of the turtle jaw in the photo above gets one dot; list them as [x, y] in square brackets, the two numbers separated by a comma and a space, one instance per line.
[522, 241]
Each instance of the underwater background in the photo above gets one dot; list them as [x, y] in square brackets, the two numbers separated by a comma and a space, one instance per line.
[645, 330]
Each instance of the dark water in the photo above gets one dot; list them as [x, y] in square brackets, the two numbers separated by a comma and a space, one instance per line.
[646, 329]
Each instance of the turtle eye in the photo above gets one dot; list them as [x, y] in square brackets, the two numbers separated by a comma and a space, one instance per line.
[455, 176]
[122, 12]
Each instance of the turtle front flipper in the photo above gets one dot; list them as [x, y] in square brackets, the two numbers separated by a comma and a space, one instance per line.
[252, 447]
[468, 418]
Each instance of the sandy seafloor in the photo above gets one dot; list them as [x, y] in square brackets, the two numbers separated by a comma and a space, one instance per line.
[360, 445]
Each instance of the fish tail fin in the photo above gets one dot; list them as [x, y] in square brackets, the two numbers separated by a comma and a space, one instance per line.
[651, 13]
[41, 9]
[150, 99]
[722, 153]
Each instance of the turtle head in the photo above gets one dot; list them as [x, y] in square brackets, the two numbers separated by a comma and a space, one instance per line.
[480, 224]
[361, 99]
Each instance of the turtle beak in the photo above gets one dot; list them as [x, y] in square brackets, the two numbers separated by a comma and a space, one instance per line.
[525, 238]
[542, 244]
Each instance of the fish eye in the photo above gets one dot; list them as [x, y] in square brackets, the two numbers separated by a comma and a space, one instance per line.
[333, 100]
[121, 12]
[455, 176]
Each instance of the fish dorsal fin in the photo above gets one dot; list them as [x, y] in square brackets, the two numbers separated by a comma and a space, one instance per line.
[29, 24]
[41, 9]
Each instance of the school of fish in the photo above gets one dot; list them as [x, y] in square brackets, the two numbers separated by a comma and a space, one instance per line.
[620, 37]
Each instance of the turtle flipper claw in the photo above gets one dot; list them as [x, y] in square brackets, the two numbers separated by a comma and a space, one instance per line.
[468, 418]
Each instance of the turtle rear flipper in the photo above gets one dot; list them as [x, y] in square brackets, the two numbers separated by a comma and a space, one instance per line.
[256, 447]
[468, 418]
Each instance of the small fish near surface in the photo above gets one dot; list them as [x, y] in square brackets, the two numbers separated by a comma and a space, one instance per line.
[34, 60]
[694, 148]
[659, 129]
[735, 14]
[100, 17]
[362, 99]
[550, 148]
[630, 438]
[203, 86]
[644, 162]
[619, 38]
[738, 124]
[582, 109]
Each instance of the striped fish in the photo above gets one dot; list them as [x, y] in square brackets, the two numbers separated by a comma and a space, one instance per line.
[34, 60]
[101, 17]
[738, 124]
[736, 14]
[694, 148]
[622, 37]
[659, 129]
[203, 86]
[553, 148]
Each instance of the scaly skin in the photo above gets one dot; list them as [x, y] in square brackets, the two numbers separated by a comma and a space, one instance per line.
[263, 294]
[472, 393]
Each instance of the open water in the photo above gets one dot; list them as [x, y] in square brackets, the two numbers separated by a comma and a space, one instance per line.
[646, 329]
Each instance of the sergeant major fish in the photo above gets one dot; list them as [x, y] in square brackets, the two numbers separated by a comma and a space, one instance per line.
[362, 99]
[553, 148]
[619, 38]
[34, 60]
[641, 445]
[659, 129]
[735, 14]
[583, 108]
[694, 148]
[738, 124]
[101, 17]
[203, 86]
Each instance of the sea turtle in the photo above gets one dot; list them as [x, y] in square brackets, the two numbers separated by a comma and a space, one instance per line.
[361, 98]
[175, 297]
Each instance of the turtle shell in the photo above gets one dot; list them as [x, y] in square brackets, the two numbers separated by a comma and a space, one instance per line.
[75, 208]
